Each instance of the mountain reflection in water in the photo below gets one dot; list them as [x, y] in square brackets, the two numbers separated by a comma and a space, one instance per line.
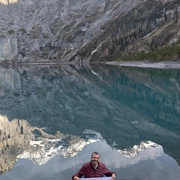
[126, 106]
[149, 164]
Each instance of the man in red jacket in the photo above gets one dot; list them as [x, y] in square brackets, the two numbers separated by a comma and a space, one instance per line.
[93, 169]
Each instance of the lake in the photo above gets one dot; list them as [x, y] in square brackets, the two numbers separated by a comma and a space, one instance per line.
[53, 117]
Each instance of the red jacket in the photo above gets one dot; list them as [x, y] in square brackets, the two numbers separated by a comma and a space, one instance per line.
[88, 171]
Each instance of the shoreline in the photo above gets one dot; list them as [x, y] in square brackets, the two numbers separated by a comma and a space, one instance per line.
[148, 64]
[140, 64]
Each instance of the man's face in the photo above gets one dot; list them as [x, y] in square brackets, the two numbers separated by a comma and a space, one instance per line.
[95, 159]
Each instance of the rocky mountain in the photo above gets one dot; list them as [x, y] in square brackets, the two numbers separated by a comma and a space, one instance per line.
[67, 30]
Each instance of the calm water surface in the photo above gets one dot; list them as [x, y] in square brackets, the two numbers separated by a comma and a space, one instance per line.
[53, 118]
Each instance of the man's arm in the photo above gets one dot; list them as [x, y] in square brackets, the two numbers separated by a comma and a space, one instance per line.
[79, 174]
[109, 173]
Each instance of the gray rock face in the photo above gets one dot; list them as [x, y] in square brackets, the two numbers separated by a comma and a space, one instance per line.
[33, 30]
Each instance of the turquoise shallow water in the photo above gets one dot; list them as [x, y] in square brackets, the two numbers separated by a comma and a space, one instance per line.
[125, 106]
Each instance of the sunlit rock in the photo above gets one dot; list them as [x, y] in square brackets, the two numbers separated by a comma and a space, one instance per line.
[7, 2]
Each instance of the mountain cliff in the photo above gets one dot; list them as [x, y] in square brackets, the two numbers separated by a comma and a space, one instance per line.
[67, 30]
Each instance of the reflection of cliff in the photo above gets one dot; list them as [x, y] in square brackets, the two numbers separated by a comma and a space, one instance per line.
[20, 140]
[125, 105]
[15, 137]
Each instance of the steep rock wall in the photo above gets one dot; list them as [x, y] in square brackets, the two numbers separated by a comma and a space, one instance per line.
[33, 30]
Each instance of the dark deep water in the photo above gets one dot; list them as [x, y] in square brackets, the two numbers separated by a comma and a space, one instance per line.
[74, 111]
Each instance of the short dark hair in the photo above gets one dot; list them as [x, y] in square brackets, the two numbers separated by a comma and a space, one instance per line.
[96, 153]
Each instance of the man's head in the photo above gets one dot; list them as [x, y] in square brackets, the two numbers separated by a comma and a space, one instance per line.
[95, 156]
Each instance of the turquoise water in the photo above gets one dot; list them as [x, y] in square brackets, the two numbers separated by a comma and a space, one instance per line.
[125, 106]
